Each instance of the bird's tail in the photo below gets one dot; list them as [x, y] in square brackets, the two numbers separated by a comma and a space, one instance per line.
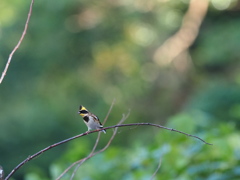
[104, 131]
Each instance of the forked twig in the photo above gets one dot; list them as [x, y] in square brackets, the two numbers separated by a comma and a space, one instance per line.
[18, 44]
[109, 111]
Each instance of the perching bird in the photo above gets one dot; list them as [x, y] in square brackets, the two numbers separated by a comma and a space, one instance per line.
[91, 120]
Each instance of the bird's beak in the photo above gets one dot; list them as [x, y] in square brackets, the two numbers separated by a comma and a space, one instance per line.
[79, 112]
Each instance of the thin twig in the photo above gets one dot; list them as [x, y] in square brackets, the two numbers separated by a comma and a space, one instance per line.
[90, 132]
[109, 111]
[158, 167]
[18, 44]
[151, 124]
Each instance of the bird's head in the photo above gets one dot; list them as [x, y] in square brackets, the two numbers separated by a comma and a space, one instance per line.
[82, 111]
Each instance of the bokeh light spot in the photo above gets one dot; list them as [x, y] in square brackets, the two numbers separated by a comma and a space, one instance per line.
[221, 4]
[142, 34]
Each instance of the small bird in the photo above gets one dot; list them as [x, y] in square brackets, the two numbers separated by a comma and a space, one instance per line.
[91, 120]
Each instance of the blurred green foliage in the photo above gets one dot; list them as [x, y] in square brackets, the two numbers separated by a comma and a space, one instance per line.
[90, 52]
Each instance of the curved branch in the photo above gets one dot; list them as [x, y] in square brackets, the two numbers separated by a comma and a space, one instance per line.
[156, 125]
[18, 44]
[86, 133]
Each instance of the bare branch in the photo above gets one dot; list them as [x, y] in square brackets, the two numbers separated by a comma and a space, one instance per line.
[156, 125]
[86, 133]
[110, 109]
[18, 44]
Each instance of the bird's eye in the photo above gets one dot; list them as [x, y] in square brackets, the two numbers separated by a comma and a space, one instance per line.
[83, 112]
